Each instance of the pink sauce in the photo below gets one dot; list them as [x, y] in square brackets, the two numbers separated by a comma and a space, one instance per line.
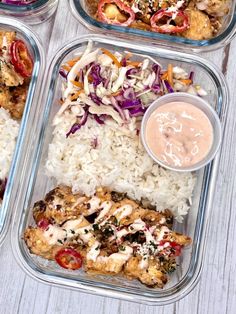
[179, 134]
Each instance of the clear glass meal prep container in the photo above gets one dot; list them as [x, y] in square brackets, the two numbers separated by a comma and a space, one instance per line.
[228, 31]
[33, 13]
[36, 50]
[35, 184]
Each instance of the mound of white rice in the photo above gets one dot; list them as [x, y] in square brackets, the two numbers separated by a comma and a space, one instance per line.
[119, 162]
[9, 129]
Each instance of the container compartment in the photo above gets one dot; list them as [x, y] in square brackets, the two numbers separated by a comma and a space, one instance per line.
[82, 14]
[34, 13]
[36, 51]
[35, 184]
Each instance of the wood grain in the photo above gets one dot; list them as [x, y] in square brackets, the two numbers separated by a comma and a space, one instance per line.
[216, 291]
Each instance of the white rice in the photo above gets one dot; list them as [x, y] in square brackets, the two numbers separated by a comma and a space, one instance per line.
[118, 162]
[9, 129]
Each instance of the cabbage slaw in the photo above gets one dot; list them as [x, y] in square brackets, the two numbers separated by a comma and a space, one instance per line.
[119, 86]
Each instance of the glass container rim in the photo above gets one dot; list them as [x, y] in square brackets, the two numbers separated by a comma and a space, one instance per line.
[206, 44]
[35, 44]
[24, 8]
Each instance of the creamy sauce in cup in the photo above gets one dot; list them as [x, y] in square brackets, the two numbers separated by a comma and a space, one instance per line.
[179, 134]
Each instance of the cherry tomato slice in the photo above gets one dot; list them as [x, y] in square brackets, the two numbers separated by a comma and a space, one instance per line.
[69, 258]
[121, 6]
[168, 28]
[21, 59]
[43, 223]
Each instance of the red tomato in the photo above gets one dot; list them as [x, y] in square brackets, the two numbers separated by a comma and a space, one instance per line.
[168, 28]
[69, 258]
[121, 6]
[21, 59]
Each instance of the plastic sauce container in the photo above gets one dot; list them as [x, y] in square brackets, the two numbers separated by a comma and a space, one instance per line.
[178, 127]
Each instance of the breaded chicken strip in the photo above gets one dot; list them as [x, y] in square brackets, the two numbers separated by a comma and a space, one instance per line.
[199, 25]
[152, 276]
[214, 7]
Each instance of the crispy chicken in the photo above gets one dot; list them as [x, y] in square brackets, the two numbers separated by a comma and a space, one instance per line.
[113, 234]
[205, 16]
[13, 87]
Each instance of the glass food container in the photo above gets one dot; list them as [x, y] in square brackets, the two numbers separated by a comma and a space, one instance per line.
[34, 184]
[81, 13]
[33, 13]
[37, 53]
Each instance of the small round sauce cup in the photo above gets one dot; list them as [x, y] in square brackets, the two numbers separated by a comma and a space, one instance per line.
[199, 104]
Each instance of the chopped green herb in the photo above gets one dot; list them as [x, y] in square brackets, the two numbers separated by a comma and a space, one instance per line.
[95, 227]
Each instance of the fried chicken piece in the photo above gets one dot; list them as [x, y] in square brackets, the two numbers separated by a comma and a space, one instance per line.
[112, 264]
[200, 25]
[61, 205]
[38, 244]
[122, 238]
[114, 14]
[179, 238]
[58, 206]
[13, 99]
[8, 75]
[151, 217]
[141, 25]
[6, 38]
[214, 7]
[48, 241]
[151, 276]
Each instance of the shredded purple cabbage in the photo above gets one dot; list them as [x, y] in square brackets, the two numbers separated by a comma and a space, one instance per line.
[131, 103]
[168, 87]
[76, 126]
[98, 119]
[63, 73]
[96, 75]
[123, 62]
[117, 107]
[95, 98]
[136, 112]
[132, 71]
[129, 93]
[156, 86]
[191, 75]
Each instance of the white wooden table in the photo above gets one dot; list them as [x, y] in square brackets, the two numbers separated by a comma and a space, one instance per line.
[216, 291]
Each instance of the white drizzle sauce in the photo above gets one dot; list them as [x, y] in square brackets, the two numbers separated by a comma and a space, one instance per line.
[94, 251]
[70, 229]
[106, 207]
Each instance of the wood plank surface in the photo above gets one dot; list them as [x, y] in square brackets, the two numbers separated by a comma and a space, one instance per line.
[216, 291]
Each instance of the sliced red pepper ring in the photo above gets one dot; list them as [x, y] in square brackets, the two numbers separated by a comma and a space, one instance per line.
[119, 13]
[168, 28]
[43, 223]
[69, 258]
[177, 247]
[21, 58]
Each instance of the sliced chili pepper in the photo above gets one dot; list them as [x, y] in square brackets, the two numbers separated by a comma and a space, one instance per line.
[177, 247]
[21, 59]
[69, 258]
[168, 28]
[122, 7]
[43, 223]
